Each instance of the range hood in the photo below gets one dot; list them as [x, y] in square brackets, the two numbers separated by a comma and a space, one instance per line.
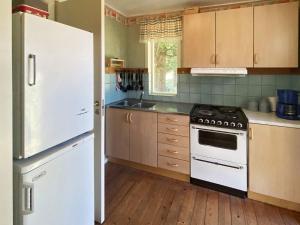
[219, 72]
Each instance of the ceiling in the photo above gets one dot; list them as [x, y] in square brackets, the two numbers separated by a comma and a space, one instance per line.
[145, 7]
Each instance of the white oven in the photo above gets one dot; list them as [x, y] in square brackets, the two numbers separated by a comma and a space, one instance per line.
[219, 156]
[219, 143]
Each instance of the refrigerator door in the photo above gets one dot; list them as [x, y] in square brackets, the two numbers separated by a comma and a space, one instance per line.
[56, 83]
[61, 191]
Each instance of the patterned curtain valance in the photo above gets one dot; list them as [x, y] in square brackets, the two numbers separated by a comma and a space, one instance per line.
[161, 27]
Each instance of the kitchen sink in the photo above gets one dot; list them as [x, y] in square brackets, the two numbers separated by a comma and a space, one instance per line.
[127, 103]
[143, 105]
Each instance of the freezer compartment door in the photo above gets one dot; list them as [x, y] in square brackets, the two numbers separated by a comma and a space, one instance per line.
[57, 83]
[220, 172]
[61, 191]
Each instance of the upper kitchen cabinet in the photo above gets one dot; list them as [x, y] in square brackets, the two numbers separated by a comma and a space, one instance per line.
[234, 38]
[276, 35]
[199, 40]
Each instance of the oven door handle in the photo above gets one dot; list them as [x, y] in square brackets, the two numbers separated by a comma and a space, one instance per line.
[219, 164]
[216, 131]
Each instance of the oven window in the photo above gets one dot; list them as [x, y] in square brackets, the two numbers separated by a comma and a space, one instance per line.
[219, 140]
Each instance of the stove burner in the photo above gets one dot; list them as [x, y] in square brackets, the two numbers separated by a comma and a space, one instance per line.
[228, 110]
[204, 112]
[219, 116]
[233, 116]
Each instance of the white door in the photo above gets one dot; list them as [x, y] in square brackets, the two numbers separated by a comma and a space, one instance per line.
[61, 192]
[89, 15]
[58, 83]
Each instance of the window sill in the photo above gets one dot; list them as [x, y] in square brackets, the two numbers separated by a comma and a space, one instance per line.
[163, 94]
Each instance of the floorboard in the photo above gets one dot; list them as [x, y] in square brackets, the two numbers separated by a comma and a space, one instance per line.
[136, 197]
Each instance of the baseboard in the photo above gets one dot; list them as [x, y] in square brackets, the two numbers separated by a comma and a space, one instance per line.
[274, 201]
[150, 169]
[220, 188]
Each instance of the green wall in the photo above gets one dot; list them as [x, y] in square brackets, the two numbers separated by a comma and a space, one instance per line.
[115, 39]
[136, 51]
[123, 42]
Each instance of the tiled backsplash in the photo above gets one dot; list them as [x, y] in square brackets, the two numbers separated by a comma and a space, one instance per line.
[111, 93]
[213, 90]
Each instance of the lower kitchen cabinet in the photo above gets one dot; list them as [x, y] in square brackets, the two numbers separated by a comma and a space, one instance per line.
[117, 133]
[132, 135]
[143, 138]
[152, 139]
[174, 143]
[274, 166]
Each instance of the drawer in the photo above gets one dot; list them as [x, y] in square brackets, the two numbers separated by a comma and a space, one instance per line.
[173, 129]
[173, 140]
[174, 152]
[174, 119]
[176, 165]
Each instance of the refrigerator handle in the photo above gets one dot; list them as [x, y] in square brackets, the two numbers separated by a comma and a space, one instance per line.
[28, 194]
[32, 70]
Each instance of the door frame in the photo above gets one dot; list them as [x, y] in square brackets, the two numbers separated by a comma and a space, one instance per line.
[89, 15]
[6, 140]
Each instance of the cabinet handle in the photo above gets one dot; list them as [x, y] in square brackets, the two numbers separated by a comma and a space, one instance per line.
[250, 133]
[213, 59]
[172, 120]
[217, 59]
[172, 152]
[172, 164]
[130, 118]
[172, 129]
[127, 117]
[255, 59]
[172, 140]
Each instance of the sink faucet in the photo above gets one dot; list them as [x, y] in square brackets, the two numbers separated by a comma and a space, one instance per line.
[141, 96]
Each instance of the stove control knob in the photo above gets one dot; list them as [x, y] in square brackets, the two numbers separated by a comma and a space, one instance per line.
[239, 125]
[226, 124]
[232, 124]
[206, 121]
[219, 123]
[200, 120]
[213, 122]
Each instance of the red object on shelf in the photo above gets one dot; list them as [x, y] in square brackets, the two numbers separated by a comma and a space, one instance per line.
[31, 10]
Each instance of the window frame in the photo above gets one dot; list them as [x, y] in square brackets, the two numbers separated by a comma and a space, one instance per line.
[150, 65]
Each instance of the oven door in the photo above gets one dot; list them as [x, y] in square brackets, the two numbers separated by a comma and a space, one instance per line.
[219, 143]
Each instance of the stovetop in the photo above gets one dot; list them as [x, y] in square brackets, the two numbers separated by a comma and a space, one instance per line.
[219, 116]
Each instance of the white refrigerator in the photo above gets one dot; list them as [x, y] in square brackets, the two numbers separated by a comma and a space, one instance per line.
[56, 187]
[53, 83]
[53, 123]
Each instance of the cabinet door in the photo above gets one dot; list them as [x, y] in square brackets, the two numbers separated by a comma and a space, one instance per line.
[276, 35]
[199, 40]
[274, 154]
[234, 38]
[117, 133]
[143, 138]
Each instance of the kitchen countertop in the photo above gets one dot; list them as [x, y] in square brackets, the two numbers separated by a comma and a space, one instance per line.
[160, 107]
[185, 109]
[270, 119]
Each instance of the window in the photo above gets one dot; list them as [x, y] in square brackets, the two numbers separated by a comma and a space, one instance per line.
[163, 60]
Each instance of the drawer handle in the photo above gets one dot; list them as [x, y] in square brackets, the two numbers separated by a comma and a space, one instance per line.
[172, 129]
[172, 120]
[172, 140]
[172, 164]
[172, 151]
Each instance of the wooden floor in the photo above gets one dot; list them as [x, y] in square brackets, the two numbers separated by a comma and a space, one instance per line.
[137, 197]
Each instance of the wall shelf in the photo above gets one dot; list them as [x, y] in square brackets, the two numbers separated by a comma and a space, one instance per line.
[112, 70]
